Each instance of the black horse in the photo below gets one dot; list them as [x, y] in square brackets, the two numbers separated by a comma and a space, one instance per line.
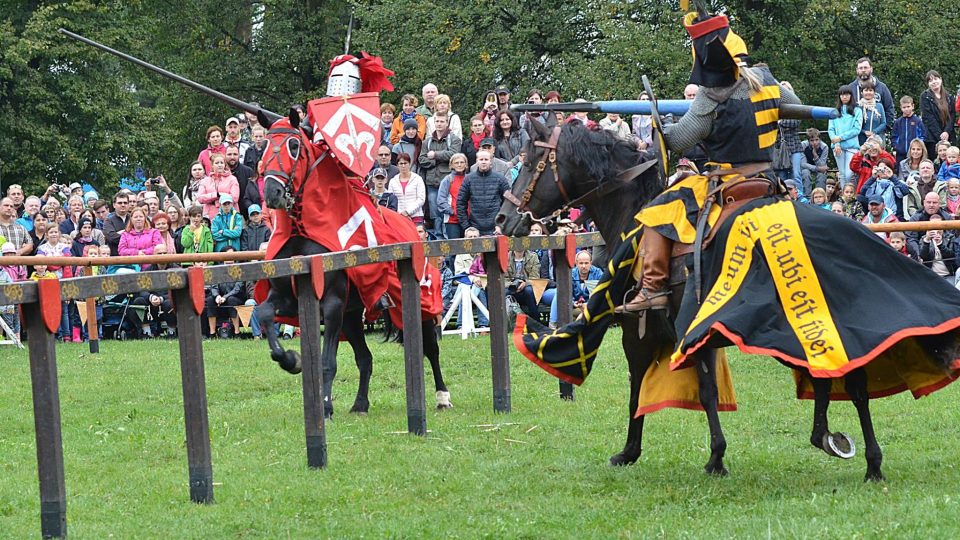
[589, 166]
[287, 156]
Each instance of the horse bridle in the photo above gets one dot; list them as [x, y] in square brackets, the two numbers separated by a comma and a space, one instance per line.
[549, 156]
[289, 196]
[602, 188]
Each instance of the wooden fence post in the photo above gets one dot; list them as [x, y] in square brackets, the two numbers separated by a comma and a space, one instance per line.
[42, 319]
[563, 262]
[308, 298]
[495, 265]
[93, 326]
[189, 306]
[410, 271]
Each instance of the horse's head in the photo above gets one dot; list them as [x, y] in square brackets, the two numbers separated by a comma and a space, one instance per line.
[539, 189]
[572, 166]
[286, 159]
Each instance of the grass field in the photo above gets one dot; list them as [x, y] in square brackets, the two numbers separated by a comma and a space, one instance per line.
[541, 474]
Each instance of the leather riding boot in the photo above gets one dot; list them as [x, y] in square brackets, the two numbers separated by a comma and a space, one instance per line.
[655, 284]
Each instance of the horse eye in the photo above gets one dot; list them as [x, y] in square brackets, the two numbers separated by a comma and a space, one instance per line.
[293, 147]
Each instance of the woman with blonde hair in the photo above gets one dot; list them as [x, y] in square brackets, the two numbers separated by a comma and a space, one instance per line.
[442, 106]
[916, 153]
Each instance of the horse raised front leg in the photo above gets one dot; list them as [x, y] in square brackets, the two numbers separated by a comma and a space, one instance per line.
[266, 316]
[431, 349]
[639, 354]
[709, 395]
[353, 330]
[856, 385]
[834, 444]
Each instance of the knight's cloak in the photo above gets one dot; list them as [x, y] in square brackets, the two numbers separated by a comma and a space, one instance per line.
[337, 212]
[806, 286]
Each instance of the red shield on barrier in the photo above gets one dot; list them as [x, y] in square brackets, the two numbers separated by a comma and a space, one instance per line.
[350, 126]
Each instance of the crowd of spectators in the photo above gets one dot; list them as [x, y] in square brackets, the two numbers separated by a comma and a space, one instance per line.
[448, 173]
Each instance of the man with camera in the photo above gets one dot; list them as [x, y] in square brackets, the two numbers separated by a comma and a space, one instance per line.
[166, 196]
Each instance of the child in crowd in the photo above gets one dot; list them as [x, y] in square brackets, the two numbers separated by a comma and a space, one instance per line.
[898, 241]
[952, 203]
[819, 198]
[907, 128]
[874, 117]
[40, 271]
[851, 205]
[951, 168]
[837, 208]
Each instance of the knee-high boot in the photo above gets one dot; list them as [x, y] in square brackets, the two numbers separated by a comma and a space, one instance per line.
[654, 284]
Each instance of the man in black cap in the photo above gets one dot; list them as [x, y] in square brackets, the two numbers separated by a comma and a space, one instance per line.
[378, 189]
[503, 98]
[498, 165]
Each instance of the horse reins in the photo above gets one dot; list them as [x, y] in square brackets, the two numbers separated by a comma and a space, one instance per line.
[603, 188]
[291, 197]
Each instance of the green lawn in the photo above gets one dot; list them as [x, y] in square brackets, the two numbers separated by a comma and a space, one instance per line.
[541, 474]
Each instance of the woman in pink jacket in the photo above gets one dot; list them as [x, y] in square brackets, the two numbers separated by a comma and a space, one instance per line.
[139, 238]
[218, 182]
[214, 146]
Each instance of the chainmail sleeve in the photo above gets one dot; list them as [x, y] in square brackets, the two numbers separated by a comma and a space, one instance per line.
[694, 126]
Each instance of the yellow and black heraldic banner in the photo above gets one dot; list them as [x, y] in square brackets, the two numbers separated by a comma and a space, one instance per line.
[819, 291]
[786, 280]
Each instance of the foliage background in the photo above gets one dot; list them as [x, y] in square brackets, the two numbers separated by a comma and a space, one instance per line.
[69, 112]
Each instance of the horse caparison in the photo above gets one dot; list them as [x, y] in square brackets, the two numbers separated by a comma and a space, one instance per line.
[588, 158]
[288, 168]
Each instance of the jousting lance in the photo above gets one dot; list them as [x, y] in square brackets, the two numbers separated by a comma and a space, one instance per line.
[242, 105]
[676, 107]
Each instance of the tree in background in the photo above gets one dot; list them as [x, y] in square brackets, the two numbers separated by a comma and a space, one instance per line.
[71, 113]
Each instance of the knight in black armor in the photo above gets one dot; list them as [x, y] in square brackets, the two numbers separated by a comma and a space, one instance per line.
[734, 118]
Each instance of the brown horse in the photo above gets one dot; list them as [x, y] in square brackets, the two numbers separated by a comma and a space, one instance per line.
[588, 171]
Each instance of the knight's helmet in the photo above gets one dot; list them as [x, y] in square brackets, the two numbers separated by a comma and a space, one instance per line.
[718, 53]
[351, 75]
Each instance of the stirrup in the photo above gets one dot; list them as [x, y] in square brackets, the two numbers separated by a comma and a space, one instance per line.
[650, 300]
[384, 303]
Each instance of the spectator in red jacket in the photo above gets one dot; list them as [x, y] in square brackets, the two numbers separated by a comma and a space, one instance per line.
[863, 161]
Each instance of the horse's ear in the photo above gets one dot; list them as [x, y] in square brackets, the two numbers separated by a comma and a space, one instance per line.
[307, 130]
[294, 118]
[540, 131]
[264, 120]
[551, 120]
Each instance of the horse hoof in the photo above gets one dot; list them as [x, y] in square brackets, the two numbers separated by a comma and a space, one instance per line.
[623, 459]
[716, 470]
[360, 409]
[443, 400]
[291, 362]
[874, 476]
[839, 445]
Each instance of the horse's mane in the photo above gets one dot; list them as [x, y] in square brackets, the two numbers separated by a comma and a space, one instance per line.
[602, 155]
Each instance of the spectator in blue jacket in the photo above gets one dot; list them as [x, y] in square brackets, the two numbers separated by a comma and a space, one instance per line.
[227, 225]
[844, 131]
[907, 128]
[585, 272]
[884, 185]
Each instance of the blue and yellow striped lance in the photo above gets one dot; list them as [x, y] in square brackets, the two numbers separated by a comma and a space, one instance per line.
[676, 107]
